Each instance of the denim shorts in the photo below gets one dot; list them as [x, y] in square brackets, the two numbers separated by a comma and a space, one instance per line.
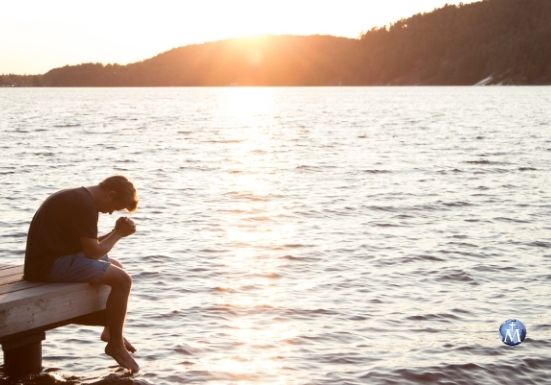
[78, 268]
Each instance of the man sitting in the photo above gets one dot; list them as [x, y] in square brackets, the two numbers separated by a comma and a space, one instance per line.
[63, 246]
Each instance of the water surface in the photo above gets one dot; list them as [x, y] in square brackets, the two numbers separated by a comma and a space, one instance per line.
[303, 235]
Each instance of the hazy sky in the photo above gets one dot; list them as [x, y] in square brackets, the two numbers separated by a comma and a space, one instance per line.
[38, 35]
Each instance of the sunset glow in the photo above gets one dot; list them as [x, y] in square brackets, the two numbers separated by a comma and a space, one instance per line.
[36, 36]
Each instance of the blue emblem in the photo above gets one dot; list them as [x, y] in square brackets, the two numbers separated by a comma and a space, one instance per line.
[512, 332]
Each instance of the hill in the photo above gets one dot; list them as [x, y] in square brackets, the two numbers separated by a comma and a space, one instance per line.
[268, 60]
[489, 42]
[501, 41]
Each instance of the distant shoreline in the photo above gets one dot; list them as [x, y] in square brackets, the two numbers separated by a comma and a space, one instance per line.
[492, 42]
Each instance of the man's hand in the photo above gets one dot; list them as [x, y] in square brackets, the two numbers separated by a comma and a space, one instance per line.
[98, 247]
[125, 226]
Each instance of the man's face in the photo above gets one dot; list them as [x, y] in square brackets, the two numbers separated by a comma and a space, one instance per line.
[111, 204]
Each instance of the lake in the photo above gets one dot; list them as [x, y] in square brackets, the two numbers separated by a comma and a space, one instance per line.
[303, 235]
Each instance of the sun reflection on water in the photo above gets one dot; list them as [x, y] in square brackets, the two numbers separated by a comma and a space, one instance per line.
[247, 104]
[253, 229]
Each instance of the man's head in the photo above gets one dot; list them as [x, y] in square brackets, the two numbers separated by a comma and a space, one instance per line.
[118, 193]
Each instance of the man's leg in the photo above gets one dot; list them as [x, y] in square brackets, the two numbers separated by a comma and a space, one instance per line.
[120, 283]
[113, 261]
[106, 335]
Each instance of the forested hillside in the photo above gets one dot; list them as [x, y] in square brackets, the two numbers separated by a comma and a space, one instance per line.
[489, 42]
[509, 40]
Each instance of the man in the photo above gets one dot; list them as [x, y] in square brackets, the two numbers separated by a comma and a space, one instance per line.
[63, 246]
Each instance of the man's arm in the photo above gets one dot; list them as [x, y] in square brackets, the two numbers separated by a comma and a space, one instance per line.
[97, 248]
[102, 237]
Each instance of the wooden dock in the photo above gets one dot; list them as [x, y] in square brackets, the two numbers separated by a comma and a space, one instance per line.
[28, 309]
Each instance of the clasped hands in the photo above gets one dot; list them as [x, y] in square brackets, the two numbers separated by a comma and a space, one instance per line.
[125, 226]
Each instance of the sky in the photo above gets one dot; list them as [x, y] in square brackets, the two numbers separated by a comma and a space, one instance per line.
[38, 35]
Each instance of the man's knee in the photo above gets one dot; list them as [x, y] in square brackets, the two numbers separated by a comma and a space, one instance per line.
[113, 261]
[117, 278]
[125, 280]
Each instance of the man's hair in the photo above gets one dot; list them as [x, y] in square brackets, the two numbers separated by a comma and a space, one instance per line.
[124, 189]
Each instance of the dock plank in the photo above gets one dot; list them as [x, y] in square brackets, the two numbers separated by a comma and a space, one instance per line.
[17, 285]
[14, 270]
[26, 305]
[11, 278]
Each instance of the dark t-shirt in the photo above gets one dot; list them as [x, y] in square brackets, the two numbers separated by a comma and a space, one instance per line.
[56, 229]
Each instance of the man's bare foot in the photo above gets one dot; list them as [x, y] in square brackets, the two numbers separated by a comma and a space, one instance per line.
[105, 337]
[123, 358]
